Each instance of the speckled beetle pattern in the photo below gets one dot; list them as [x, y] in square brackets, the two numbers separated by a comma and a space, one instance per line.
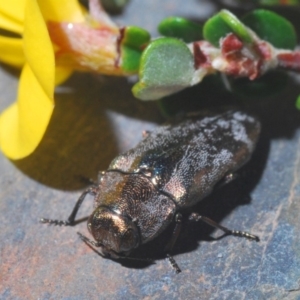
[173, 167]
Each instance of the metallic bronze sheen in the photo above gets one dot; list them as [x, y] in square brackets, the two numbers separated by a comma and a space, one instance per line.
[174, 167]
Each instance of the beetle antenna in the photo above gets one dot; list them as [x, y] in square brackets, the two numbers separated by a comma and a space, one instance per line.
[88, 241]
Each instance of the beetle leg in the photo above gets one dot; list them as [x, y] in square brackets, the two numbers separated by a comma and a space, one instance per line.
[196, 217]
[173, 263]
[230, 177]
[170, 245]
[71, 220]
[145, 133]
[227, 179]
[176, 232]
[91, 181]
[100, 175]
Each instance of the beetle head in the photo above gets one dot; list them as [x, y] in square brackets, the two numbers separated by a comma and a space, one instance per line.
[114, 233]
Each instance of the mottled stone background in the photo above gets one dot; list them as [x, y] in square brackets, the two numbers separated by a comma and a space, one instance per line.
[95, 119]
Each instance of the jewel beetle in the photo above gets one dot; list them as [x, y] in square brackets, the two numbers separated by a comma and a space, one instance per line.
[174, 167]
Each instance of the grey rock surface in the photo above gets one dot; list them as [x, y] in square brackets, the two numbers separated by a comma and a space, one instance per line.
[95, 119]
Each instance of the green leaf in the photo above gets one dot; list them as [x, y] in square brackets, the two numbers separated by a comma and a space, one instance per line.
[236, 26]
[223, 23]
[135, 37]
[298, 102]
[180, 28]
[166, 67]
[133, 41]
[269, 84]
[214, 29]
[114, 5]
[130, 59]
[272, 27]
[279, 2]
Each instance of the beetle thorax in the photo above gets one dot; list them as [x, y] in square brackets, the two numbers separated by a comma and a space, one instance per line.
[135, 197]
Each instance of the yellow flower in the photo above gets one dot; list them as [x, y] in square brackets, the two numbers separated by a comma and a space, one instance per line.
[11, 20]
[50, 39]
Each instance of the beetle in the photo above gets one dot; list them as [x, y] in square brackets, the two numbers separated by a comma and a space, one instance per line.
[174, 167]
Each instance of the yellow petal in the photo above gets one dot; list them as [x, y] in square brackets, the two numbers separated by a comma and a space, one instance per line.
[11, 51]
[62, 74]
[58, 10]
[12, 15]
[10, 25]
[38, 48]
[24, 123]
